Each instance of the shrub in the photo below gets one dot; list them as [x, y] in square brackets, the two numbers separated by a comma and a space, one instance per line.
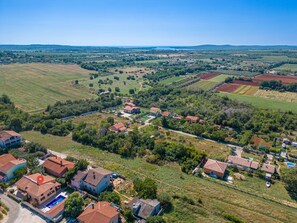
[232, 218]
[11, 191]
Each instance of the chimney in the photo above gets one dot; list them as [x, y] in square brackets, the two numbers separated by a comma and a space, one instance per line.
[94, 176]
[61, 163]
[93, 206]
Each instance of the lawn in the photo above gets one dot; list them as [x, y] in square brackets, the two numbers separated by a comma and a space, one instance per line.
[34, 86]
[290, 67]
[216, 199]
[220, 78]
[263, 102]
[202, 85]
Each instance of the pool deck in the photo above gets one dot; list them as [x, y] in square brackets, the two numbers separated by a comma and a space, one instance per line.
[44, 207]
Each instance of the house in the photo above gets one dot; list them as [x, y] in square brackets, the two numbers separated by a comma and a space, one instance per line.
[9, 138]
[242, 163]
[55, 214]
[179, 117]
[57, 166]
[131, 108]
[145, 208]
[119, 127]
[269, 170]
[201, 121]
[166, 114]
[215, 168]
[294, 144]
[155, 111]
[9, 165]
[192, 119]
[37, 192]
[94, 180]
[102, 212]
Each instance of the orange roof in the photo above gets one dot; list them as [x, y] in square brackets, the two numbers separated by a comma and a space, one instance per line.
[101, 212]
[216, 166]
[57, 164]
[7, 161]
[268, 168]
[119, 126]
[243, 162]
[57, 209]
[5, 135]
[166, 113]
[154, 109]
[29, 184]
[192, 118]
[130, 104]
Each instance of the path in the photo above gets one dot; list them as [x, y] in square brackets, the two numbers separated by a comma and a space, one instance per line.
[17, 213]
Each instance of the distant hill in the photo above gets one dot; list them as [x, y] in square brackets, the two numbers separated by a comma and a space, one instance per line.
[45, 47]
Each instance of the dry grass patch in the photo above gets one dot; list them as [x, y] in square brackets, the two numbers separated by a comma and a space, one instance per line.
[280, 96]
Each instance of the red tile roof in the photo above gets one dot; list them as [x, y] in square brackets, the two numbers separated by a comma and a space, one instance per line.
[192, 118]
[216, 166]
[268, 168]
[118, 127]
[58, 165]
[57, 209]
[7, 161]
[243, 162]
[154, 109]
[166, 113]
[5, 135]
[102, 212]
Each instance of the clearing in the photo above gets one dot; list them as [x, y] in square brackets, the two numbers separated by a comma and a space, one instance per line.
[217, 199]
[289, 67]
[34, 86]
[275, 95]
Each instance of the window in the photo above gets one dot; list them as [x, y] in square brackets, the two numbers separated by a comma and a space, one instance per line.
[41, 199]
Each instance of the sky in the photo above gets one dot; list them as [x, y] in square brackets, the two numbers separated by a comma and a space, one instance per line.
[148, 22]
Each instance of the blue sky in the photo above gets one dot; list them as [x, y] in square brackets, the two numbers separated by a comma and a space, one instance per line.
[148, 22]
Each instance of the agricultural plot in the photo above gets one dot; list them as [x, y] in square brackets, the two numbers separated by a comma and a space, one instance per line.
[268, 77]
[228, 87]
[246, 90]
[280, 96]
[289, 67]
[173, 79]
[203, 84]
[33, 86]
[208, 76]
[219, 78]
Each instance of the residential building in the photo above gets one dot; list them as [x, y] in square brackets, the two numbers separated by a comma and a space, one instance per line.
[192, 119]
[94, 180]
[57, 166]
[215, 168]
[242, 163]
[102, 212]
[131, 108]
[155, 111]
[55, 214]
[119, 127]
[167, 114]
[9, 165]
[9, 138]
[179, 117]
[38, 192]
[269, 170]
[145, 208]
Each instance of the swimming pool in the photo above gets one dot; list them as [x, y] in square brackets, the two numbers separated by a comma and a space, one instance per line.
[290, 165]
[56, 201]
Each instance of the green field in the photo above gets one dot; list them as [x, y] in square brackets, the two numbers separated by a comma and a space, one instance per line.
[172, 79]
[219, 78]
[217, 199]
[33, 86]
[278, 58]
[202, 85]
[263, 102]
[289, 67]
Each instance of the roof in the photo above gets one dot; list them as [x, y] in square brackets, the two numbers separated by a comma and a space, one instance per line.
[268, 168]
[119, 126]
[216, 166]
[192, 118]
[243, 162]
[101, 212]
[57, 164]
[7, 161]
[79, 175]
[129, 108]
[166, 113]
[94, 176]
[154, 109]
[29, 184]
[5, 135]
[144, 207]
[130, 104]
[57, 209]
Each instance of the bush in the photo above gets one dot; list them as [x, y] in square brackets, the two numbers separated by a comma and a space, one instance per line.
[11, 191]
[232, 218]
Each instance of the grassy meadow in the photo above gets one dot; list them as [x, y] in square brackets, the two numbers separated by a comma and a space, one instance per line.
[216, 198]
[33, 86]
[289, 67]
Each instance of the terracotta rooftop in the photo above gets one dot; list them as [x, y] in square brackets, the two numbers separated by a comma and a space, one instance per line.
[216, 166]
[7, 161]
[243, 162]
[57, 164]
[154, 109]
[119, 126]
[130, 104]
[5, 135]
[166, 113]
[57, 209]
[268, 168]
[29, 184]
[102, 212]
[94, 176]
[192, 118]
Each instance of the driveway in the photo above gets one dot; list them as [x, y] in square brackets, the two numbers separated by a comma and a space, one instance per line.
[17, 213]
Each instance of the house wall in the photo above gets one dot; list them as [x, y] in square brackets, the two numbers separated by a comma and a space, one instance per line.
[45, 197]
[14, 140]
[218, 174]
[102, 185]
[49, 171]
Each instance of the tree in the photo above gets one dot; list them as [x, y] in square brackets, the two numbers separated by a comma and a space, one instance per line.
[16, 124]
[32, 163]
[155, 219]
[131, 91]
[20, 172]
[289, 176]
[128, 214]
[110, 196]
[117, 89]
[164, 198]
[76, 82]
[110, 120]
[74, 205]
[82, 164]
[146, 189]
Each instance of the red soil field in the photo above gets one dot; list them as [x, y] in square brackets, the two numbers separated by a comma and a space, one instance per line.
[269, 77]
[228, 87]
[250, 83]
[209, 75]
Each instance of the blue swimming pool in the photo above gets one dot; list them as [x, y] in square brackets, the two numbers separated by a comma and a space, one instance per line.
[290, 165]
[56, 201]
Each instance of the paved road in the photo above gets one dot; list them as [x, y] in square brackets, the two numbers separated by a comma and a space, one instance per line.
[17, 213]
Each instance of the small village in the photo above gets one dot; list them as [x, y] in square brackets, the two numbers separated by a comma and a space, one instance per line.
[111, 197]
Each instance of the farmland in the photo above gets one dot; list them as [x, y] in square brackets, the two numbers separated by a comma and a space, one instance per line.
[280, 96]
[217, 199]
[289, 67]
[208, 81]
[246, 90]
[33, 86]
[283, 79]
[203, 84]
